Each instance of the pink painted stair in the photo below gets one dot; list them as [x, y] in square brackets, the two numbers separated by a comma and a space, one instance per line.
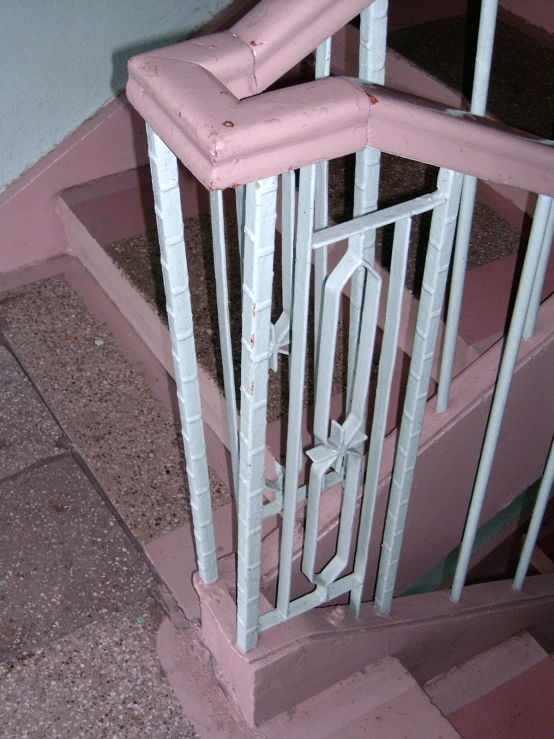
[503, 693]
[383, 701]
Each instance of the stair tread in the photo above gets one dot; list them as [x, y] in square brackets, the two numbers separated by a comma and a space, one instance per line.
[504, 692]
[405, 716]
[382, 702]
[521, 707]
[525, 100]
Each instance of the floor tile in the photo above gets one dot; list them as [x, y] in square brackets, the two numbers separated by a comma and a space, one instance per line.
[101, 681]
[64, 560]
[28, 433]
[129, 440]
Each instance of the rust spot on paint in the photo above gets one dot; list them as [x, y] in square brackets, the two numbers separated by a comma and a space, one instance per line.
[229, 124]
[235, 185]
[372, 98]
[253, 309]
[251, 388]
[252, 341]
[256, 43]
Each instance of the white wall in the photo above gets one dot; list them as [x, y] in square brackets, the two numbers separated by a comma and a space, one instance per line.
[62, 60]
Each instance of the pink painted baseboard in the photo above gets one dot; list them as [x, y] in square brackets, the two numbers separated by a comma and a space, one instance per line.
[112, 141]
[428, 633]
[382, 701]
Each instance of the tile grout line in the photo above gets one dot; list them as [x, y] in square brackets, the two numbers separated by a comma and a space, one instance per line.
[163, 597]
[29, 652]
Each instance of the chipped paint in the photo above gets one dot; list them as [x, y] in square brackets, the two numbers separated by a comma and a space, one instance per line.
[229, 124]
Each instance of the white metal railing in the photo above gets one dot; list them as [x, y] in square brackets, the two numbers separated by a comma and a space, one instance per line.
[342, 457]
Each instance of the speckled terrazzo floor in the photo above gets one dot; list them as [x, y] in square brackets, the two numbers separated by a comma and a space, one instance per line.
[139, 258]
[521, 87]
[128, 438]
[89, 468]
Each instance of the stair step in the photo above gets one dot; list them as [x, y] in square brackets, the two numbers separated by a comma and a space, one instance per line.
[443, 48]
[503, 693]
[382, 702]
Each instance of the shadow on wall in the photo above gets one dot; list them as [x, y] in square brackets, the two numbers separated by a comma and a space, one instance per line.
[121, 56]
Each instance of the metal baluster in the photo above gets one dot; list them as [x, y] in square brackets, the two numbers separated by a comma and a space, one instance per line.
[259, 247]
[536, 520]
[169, 217]
[505, 374]
[483, 60]
[322, 69]
[222, 294]
[428, 319]
[297, 370]
[353, 428]
[387, 359]
[240, 202]
[373, 38]
[535, 301]
[288, 209]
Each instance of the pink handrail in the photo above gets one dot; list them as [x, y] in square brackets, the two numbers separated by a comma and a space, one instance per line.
[225, 141]
[268, 41]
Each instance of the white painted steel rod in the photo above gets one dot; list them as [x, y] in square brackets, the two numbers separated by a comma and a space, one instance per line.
[169, 218]
[288, 209]
[536, 520]
[535, 301]
[372, 55]
[353, 428]
[224, 321]
[240, 195]
[380, 218]
[297, 371]
[259, 246]
[505, 374]
[322, 69]
[387, 359]
[481, 78]
[430, 307]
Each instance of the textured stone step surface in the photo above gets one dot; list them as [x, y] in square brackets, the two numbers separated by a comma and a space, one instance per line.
[503, 693]
[521, 88]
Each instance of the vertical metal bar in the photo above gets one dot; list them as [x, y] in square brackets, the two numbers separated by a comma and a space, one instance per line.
[288, 208]
[327, 452]
[322, 69]
[373, 38]
[240, 200]
[535, 302]
[387, 360]
[330, 317]
[430, 307]
[505, 374]
[222, 294]
[483, 60]
[353, 426]
[536, 520]
[169, 218]
[373, 42]
[297, 369]
[259, 247]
